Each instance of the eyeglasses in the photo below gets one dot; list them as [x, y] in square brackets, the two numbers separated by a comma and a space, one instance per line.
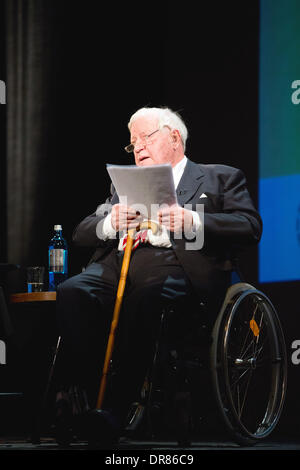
[146, 141]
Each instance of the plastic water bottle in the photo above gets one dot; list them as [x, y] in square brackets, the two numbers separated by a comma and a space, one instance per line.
[58, 259]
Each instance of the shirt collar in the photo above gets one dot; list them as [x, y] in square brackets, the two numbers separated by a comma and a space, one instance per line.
[178, 170]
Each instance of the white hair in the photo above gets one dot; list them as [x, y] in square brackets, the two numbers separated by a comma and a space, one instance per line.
[166, 117]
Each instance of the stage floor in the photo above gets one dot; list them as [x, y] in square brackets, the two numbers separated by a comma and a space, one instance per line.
[127, 445]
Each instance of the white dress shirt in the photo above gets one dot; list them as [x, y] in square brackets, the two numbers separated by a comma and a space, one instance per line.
[161, 238]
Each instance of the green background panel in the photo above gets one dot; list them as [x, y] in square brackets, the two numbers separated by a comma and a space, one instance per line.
[279, 118]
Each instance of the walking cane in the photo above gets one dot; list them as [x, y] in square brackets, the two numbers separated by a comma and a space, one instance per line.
[120, 292]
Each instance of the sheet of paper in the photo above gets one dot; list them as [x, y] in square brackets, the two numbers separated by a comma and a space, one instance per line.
[144, 188]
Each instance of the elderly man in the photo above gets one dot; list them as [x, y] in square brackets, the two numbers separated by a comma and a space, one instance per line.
[162, 269]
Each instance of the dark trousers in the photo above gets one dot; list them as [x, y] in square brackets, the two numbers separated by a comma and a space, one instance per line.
[85, 305]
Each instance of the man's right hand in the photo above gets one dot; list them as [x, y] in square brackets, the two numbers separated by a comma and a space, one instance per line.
[124, 217]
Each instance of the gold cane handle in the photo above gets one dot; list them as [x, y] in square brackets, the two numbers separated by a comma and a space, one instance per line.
[149, 224]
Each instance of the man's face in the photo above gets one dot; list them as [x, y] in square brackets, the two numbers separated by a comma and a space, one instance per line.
[154, 150]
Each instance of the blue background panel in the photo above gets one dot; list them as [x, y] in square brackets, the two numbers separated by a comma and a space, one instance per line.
[279, 249]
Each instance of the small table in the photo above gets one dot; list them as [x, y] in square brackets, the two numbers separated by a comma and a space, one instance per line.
[33, 297]
[40, 336]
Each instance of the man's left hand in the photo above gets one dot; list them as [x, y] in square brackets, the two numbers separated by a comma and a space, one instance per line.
[176, 218]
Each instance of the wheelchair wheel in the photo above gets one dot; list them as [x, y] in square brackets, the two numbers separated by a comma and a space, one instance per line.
[248, 364]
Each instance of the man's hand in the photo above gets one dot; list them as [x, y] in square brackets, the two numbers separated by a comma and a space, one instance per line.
[124, 217]
[176, 218]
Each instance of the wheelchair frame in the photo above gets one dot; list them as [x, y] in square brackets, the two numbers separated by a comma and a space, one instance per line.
[248, 369]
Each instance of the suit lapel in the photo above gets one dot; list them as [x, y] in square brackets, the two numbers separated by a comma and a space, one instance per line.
[190, 181]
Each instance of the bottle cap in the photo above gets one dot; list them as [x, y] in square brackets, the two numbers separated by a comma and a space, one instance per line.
[57, 227]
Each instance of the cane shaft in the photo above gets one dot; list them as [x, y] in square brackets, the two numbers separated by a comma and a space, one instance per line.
[115, 319]
[120, 292]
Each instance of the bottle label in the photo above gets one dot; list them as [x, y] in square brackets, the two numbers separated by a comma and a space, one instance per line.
[56, 260]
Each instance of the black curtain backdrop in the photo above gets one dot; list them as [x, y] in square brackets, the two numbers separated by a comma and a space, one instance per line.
[75, 74]
[2, 139]
[30, 71]
[76, 71]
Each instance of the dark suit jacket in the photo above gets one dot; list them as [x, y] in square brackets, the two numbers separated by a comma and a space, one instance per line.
[230, 222]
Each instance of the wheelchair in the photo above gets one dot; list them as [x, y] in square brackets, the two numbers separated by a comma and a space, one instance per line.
[228, 374]
[241, 361]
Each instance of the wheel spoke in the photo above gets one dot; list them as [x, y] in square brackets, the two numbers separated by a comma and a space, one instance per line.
[241, 405]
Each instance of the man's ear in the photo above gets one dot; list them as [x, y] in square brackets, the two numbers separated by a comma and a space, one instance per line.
[175, 136]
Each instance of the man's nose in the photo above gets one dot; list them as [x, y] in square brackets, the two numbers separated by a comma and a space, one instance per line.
[139, 145]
